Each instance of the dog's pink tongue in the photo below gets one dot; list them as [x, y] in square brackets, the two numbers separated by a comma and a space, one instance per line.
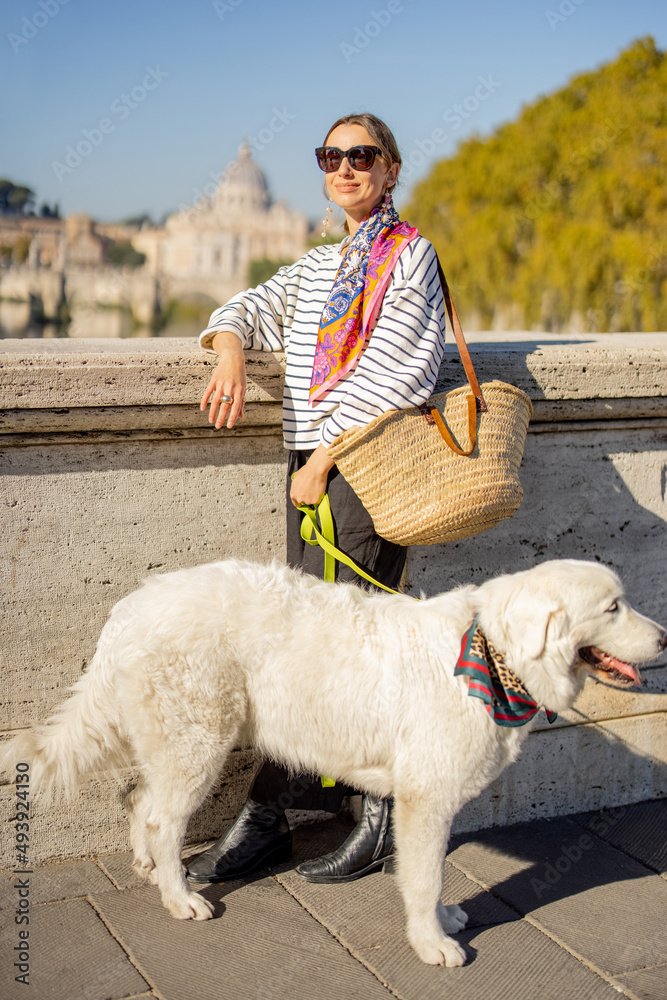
[627, 669]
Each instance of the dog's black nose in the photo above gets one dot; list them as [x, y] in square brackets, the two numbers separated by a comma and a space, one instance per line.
[662, 642]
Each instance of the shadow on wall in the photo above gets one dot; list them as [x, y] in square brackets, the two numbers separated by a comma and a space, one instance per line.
[574, 767]
[215, 450]
[592, 494]
[521, 346]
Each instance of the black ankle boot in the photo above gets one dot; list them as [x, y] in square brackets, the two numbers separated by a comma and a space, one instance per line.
[259, 836]
[369, 845]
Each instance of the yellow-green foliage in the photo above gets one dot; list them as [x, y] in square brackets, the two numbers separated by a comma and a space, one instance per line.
[562, 212]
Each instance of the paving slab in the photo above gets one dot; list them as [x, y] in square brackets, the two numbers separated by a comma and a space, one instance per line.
[370, 910]
[118, 867]
[646, 984]
[57, 880]
[138, 996]
[506, 961]
[73, 956]
[263, 945]
[281, 937]
[596, 900]
[639, 830]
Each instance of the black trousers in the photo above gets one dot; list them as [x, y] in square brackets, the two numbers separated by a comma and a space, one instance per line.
[356, 536]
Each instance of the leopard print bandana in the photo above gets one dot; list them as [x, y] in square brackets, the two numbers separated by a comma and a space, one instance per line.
[504, 696]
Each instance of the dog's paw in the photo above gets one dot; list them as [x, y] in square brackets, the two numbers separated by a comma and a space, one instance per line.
[190, 906]
[451, 918]
[143, 867]
[438, 949]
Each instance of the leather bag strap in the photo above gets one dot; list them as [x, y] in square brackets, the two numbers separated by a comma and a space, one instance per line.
[472, 427]
[462, 346]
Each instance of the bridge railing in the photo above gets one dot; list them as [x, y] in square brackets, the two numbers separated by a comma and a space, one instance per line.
[110, 473]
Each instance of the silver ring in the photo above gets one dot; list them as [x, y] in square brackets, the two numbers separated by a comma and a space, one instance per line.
[226, 399]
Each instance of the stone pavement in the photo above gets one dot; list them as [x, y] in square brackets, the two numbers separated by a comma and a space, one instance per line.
[572, 908]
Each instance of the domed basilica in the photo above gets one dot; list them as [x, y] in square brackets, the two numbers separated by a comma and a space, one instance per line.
[207, 248]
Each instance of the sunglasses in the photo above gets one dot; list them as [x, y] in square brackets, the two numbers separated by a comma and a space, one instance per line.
[329, 158]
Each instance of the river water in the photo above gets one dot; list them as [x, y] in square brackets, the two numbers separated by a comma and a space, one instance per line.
[87, 322]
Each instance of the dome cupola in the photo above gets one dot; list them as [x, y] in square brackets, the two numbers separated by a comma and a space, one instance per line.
[243, 186]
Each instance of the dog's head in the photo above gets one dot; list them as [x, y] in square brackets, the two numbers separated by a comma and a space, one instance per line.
[563, 620]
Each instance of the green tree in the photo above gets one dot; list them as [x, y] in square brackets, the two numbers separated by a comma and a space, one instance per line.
[137, 220]
[262, 269]
[123, 254]
[561, 214]
[14, 198]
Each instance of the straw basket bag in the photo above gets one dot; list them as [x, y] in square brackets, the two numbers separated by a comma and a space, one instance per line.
[443, 471]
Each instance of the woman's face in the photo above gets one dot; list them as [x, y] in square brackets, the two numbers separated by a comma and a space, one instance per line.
[357, 191]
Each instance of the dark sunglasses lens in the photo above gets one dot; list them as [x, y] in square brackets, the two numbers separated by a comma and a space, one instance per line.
[328, 158]
[361, 157]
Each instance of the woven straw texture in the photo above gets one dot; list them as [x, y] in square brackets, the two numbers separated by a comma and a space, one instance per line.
[416, 489]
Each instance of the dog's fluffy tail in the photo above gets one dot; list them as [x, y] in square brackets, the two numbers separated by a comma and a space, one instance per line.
[84, 733]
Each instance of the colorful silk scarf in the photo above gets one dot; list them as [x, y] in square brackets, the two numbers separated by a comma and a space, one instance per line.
[356, 297]
[506, 699]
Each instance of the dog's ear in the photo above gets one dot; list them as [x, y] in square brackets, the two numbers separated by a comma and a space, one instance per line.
[532, 637]
[525, 617]
[543, 621]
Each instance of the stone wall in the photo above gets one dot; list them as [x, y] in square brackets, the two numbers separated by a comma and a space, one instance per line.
[111, 473]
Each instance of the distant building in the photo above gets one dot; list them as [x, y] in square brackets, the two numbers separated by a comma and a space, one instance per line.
[58, 243]
[206, 249]
[85, 247]
[40, 238]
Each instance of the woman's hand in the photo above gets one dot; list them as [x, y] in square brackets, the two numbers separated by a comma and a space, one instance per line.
[228, 379]
[309, 484]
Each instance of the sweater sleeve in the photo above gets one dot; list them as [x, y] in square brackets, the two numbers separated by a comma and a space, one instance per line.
[400, 362]
[257, 316]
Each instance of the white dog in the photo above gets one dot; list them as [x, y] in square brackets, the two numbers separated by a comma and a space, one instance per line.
[328, 679]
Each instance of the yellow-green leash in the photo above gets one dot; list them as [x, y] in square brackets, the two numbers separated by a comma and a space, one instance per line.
[311, 533]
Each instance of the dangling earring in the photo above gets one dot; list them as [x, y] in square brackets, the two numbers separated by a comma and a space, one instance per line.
[326, 221]
[386, 207]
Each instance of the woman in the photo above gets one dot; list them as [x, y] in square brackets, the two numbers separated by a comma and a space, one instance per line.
[382, 279]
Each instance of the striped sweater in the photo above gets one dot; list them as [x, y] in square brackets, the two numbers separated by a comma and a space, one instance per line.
[397, 368]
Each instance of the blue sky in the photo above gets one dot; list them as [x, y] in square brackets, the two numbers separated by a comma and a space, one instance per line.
[179, 84]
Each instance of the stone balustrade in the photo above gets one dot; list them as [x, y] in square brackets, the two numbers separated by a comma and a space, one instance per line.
[110, 473]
